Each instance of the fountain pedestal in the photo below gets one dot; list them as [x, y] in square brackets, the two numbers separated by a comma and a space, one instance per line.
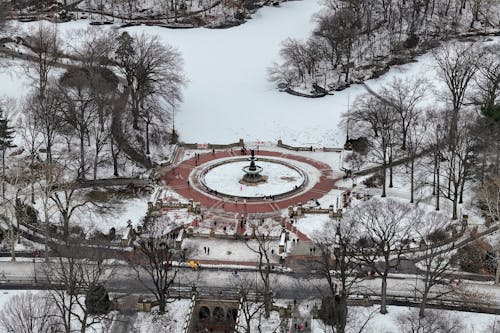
[252, 172]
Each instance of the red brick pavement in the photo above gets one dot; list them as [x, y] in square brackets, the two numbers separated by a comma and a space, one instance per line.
[177, 179]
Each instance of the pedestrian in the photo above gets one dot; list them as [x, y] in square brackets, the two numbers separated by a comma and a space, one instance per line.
[213, 151]
[188, 182]
[205, 249]
[314, 249]
[310, 251]
[294, 302]
[208, 251]
[297, 241]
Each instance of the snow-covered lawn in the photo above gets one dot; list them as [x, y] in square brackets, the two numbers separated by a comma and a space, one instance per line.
[391, 322]
[312, 224]
[172, 321]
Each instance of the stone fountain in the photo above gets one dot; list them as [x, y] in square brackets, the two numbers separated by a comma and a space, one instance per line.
[253, 172]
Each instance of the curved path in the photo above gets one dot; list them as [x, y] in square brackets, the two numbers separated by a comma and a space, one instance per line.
[177, 180]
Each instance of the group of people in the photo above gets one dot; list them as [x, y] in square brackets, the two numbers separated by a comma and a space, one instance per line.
[207, 250]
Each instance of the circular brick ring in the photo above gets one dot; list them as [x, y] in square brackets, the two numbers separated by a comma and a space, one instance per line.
[178, 179]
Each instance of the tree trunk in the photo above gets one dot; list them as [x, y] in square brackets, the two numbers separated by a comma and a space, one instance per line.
[391, 185]
[412, 181]
[438, 188]
[434, 175]
[12, 242]
[3, 173]
[384, 167]
[461, 199]
[455, 205]
[147, 137]
[423, 303]
[383, 300]
[115, 159]
[82, 156]
[497, 273]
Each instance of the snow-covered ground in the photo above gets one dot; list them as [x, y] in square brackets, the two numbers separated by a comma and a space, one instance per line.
[391, 323]
[227, 250]
[279, 178]
[173, 321]
[229, 95]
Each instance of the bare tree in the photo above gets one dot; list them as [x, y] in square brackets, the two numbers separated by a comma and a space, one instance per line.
[416, 135]
[435, 248]
[4, 11]
[251, 305]
[79, 111]
[261, 245]
[71, 277]
[457, 64]
[403, 97]
[29, 313]
[150, 68]
[46, 45]
[381, 120]
[153, 261]
[46, 115]
[68, 200]
[434, 322]
[460, 158]
[384, 227]
[434, 138]
[338, 264]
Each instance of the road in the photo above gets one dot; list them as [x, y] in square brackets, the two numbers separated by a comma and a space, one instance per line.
[123, 279]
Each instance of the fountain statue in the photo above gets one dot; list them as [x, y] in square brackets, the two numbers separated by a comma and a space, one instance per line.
[253, 171]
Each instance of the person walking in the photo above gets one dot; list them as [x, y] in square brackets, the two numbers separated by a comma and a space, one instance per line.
[205, 249]
[208, 251]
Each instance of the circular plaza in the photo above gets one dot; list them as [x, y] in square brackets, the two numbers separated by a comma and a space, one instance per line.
[217, 180]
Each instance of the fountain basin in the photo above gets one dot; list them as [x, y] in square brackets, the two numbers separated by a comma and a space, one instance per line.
[271, 177]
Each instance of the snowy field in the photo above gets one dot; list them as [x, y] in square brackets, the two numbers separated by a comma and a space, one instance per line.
[391, 322]
[229, 96]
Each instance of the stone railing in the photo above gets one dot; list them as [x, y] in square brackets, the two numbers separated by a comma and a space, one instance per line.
[301, 211]
[187, 324]
[240, 143]
[310, 148]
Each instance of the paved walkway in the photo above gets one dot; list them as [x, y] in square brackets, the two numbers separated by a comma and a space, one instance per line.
[177, 179]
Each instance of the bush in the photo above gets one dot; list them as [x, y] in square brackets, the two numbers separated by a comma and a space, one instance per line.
[373, 181]
[97, 300]
[473, 257]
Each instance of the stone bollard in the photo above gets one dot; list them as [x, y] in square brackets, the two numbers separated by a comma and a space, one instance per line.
[190, 206]
[300, 211]
[330, 211]
[150, 206]
[290, 211]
